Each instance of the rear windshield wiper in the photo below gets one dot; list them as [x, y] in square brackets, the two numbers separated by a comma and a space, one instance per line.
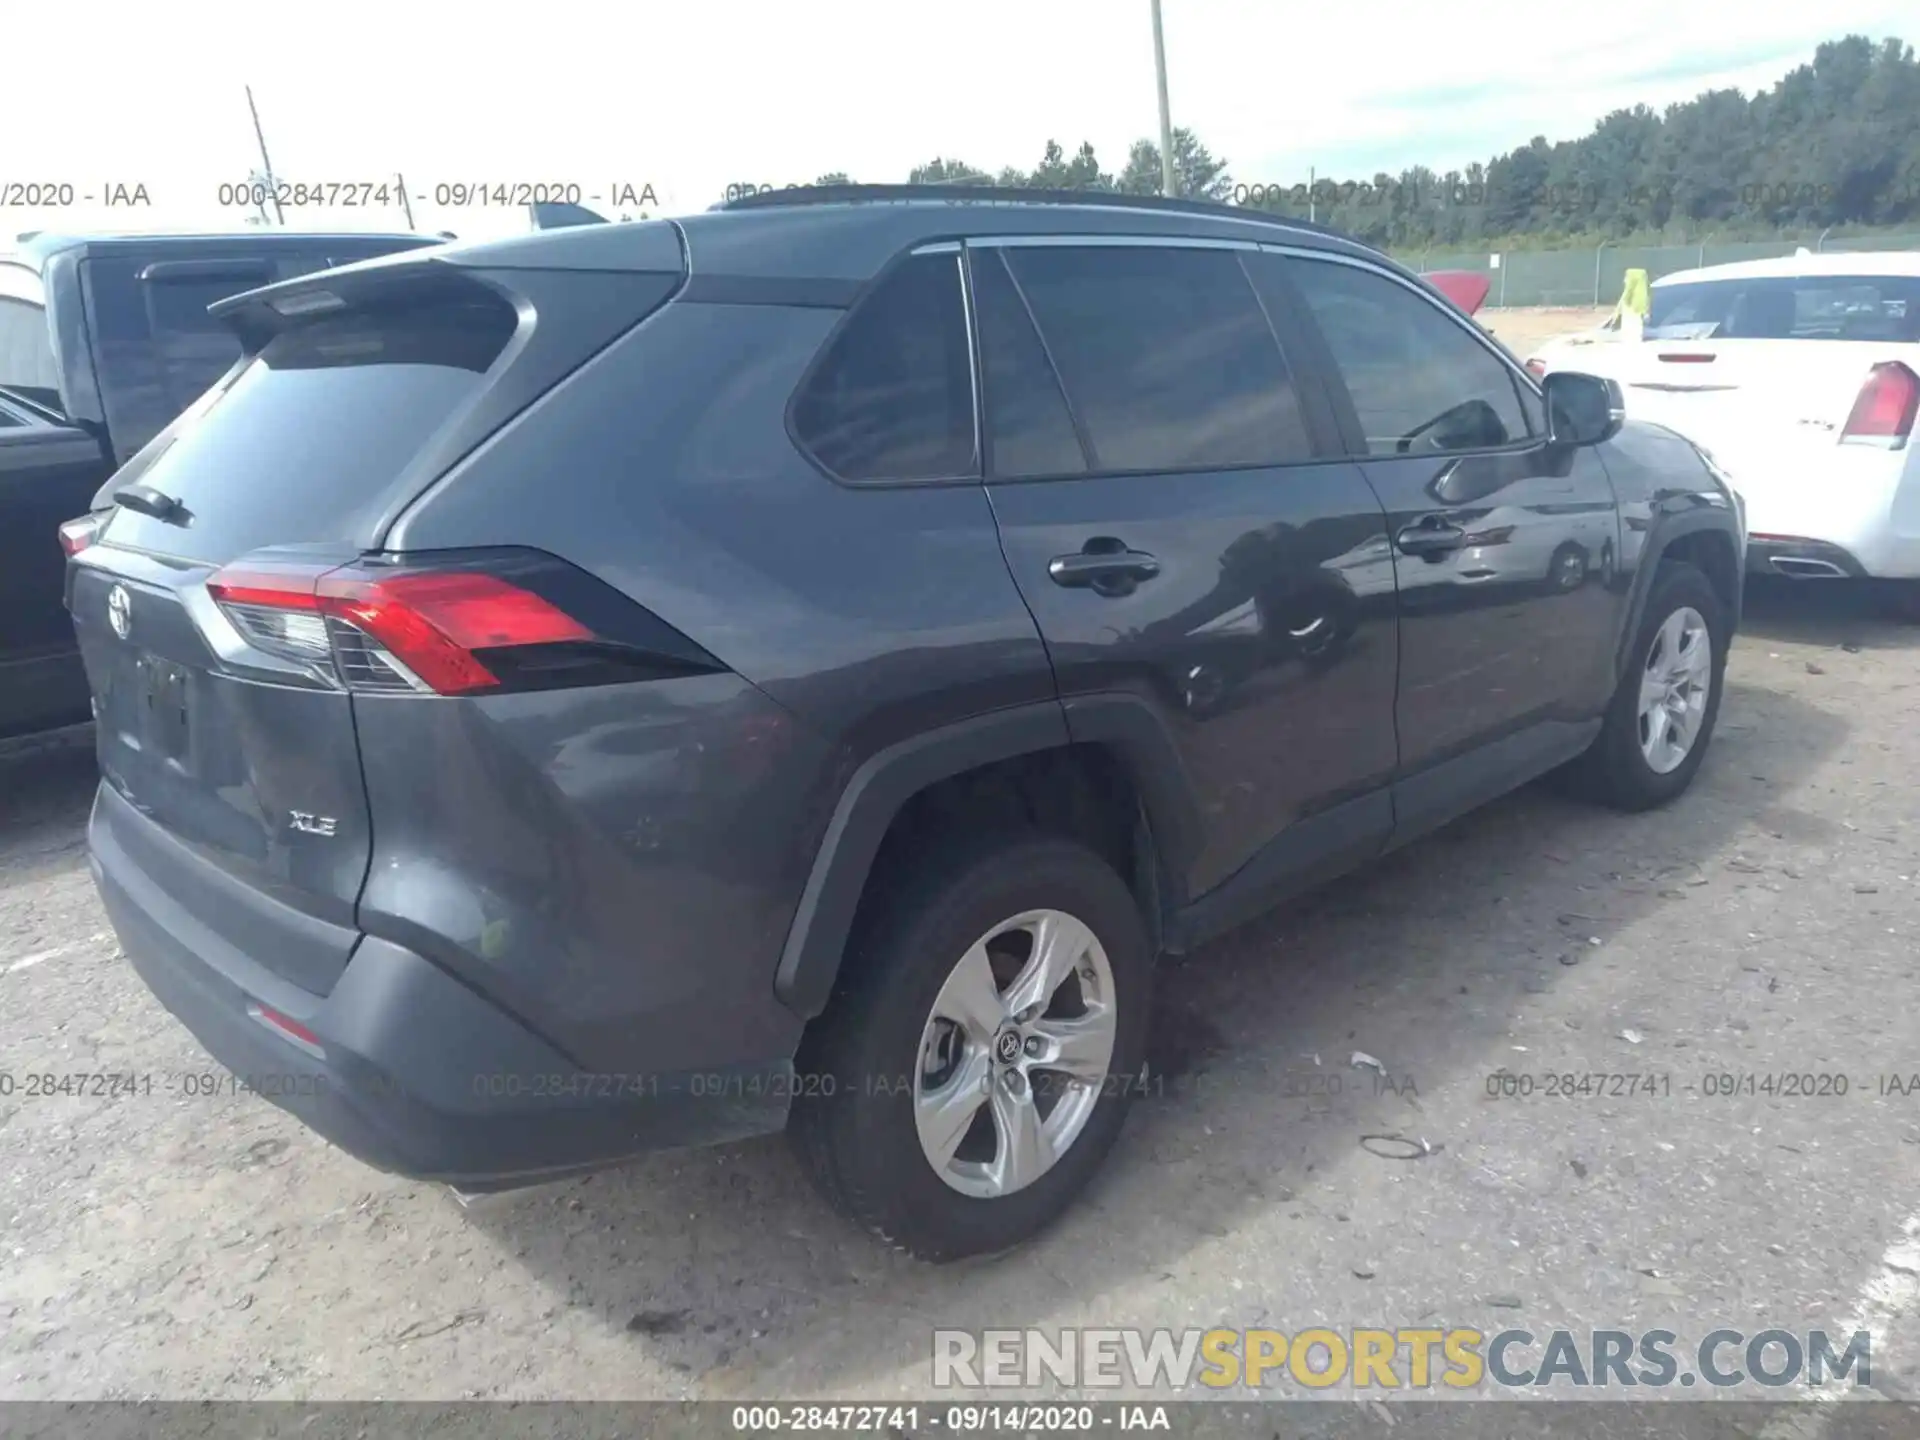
[149, 501]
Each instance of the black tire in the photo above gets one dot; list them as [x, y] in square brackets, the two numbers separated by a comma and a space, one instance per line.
[1614, 771]
[1567, 570]
[852, 1122]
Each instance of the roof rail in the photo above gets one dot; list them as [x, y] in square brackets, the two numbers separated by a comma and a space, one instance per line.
[1014, 195]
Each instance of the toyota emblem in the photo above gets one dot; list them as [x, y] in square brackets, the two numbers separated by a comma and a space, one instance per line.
[1008, 1047]
[120, 611]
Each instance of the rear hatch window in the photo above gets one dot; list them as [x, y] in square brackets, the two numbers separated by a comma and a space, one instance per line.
[310, 438]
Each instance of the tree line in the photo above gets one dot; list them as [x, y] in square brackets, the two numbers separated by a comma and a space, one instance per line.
[1836, 142]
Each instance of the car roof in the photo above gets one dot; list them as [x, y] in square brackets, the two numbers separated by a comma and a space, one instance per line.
[1832, 262]
[847, 233]
[36, 248]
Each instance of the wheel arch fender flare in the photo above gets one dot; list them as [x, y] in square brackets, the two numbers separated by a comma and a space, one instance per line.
[882, 784]
[1668, 530]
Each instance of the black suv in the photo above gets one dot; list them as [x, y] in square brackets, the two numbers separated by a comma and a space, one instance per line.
[103, 340]
[798, 665]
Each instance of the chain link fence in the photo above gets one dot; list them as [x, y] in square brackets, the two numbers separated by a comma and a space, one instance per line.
[1594, 277]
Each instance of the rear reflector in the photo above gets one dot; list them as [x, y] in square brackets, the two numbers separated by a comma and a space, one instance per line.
[425, 625]
[289, 1030]
[1883, 413]
[77, 535]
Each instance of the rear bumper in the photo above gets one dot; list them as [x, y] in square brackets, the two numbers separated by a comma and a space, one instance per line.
[415, 1072]
[1854, 506]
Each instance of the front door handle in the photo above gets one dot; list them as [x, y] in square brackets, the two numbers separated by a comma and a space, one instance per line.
[1105, 566]
[1430, 538]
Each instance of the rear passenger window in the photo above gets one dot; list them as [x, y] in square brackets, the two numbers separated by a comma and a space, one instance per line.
[892, 396]
[1029, 432]
[1166, 356]
[1418, 379]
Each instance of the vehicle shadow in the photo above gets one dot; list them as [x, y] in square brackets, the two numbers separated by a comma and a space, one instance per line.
[1821, 612]
[46, 787]
[723, 1264]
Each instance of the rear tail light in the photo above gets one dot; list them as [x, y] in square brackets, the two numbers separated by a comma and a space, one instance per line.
[449, 629]
[1883, 412]
[77, 535]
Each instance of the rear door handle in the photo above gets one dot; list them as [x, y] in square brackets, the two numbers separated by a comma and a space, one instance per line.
[1105, 566]
[1430, 539]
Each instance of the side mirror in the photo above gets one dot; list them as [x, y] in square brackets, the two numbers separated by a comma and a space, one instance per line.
[1582, 409]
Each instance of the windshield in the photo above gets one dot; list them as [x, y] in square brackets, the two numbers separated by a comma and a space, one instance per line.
[1789, 307]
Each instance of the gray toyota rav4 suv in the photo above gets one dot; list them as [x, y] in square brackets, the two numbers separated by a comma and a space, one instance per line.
[798, 665]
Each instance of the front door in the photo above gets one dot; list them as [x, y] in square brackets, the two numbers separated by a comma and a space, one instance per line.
[1171, 513]
[1505, 546]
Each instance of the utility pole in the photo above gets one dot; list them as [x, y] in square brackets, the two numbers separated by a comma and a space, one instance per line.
[265, 163]
[1313, 179]
[1166, 122]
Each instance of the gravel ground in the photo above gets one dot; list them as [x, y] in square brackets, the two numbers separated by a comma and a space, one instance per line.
[165, 1246]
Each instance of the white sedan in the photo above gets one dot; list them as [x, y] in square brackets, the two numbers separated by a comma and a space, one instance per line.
[1801, 378]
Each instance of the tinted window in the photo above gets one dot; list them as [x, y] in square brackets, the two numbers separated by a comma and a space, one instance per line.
[1028, 428]
[1167, 358]
[305, 443]
[1884, 309]
[1419, 379]
[26, 352]
[156, 346]
[892, 397]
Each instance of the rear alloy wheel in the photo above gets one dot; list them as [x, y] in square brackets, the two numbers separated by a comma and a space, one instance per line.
[1014, 1054]
[1656, 730]
[974, 1065]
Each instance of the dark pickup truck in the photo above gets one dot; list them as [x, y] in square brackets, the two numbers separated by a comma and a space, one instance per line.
[103, 341]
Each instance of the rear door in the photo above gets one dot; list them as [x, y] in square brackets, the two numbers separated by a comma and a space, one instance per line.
[48, 472]
[1166, 501]
[1505, 548]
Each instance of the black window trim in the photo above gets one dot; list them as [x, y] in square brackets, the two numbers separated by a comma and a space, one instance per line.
[1327, 449]
[932, 247]
[1336, 380]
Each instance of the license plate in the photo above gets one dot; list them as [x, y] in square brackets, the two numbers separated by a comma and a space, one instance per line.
[166, 706]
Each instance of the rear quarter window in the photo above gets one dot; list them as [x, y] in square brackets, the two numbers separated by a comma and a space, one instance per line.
[891, 397]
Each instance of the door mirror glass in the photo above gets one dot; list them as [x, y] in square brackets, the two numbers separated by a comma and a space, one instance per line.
[1582, 409]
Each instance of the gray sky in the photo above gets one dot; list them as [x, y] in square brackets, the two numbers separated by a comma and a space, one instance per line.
[689, 97]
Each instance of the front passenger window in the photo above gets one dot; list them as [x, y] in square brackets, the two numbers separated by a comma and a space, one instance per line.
[1420, 381]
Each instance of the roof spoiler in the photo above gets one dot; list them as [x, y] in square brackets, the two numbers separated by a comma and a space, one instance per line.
[257, 315]
[1465, 288]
